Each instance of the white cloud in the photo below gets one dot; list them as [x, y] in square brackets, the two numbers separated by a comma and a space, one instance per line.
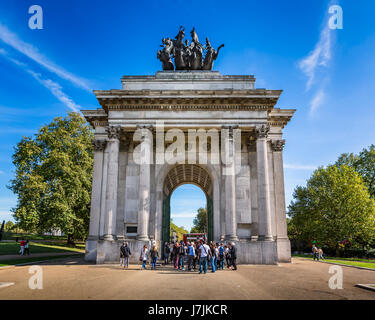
[317, 100]
[31, 52]
[319, 57]
[55, 89]
[299, 166]
[316, 63]
[53, 86]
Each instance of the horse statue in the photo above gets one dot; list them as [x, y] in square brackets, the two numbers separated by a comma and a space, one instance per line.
[164, 55]
[211, 55]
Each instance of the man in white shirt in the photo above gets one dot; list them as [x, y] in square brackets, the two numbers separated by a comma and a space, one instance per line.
[204, 252]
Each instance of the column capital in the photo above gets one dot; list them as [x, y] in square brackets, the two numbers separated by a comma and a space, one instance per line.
[113, 132]
[277, 145]
[262, 131]
[145, 126]
[99, 145]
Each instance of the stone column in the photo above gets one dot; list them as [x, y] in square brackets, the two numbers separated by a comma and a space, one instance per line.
[229, 175]
[277, 148]
[264, 206]
[112, 183]
[97, 176]
[145, 182]
[251, 149]
[123, 161]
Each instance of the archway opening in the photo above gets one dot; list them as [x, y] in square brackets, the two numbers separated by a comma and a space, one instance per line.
[189, 178]
[188, 211]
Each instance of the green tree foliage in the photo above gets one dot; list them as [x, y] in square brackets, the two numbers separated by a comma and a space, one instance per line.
[335, 205]
[364, 164]
[200, 222]
[9, 225]
[179, 231]
[53, 177]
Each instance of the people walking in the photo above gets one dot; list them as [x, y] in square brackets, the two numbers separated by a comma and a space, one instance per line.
[203, 254]
[315, 252]
[144, 256]
[233, 254]
[154, 257]
[320, 254]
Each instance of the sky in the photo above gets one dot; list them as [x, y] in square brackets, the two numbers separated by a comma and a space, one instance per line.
[326, 74]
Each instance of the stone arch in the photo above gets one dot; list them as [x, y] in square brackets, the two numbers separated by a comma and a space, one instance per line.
[170, 177]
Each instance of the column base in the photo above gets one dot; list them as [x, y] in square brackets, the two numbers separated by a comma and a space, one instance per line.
[232, 238]
[109, 237]
[268, 238]
[143, 238]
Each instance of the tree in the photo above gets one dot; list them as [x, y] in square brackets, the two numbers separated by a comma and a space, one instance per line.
[334, 206]
[9, 225]
[180, 231]
[200, 222]
[364, 164]
[53, 178]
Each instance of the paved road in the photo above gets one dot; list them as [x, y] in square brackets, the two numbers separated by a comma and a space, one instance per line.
[301, 279]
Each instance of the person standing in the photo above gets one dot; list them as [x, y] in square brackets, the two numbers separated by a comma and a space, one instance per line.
[196, 256]
[221, 257]
[154, 257]
[204, 252]
[176, 255]
[171, 247]
[233, 254]
[127, 253]
[26, 249]
[122, 250]
[144, 256]
[227, 255]
[191, 255]
[182, 254]
[213, 257]
[166, 253]
[22, 247]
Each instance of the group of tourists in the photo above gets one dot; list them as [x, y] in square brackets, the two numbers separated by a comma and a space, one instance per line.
[213, 256]
[317, 253]
[24, 247]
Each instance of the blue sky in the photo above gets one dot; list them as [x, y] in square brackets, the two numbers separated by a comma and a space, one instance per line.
[327, 75]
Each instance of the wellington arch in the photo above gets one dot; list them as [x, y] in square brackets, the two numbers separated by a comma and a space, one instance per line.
[130, 199]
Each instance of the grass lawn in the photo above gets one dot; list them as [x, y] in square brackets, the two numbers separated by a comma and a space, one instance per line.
[12, 262]
[37, 247]
[345, 261]
[353, 263]
[336, 258]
